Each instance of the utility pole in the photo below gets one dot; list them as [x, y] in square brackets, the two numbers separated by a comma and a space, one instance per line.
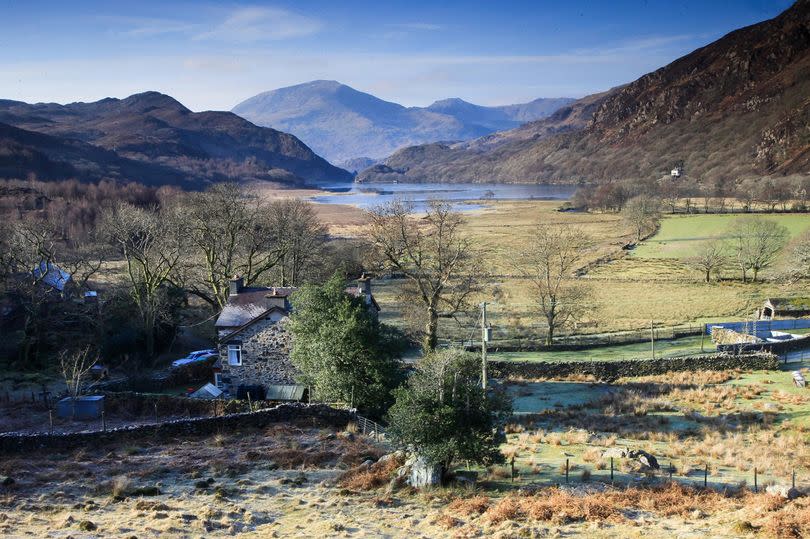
[485, 334]
[652, 339]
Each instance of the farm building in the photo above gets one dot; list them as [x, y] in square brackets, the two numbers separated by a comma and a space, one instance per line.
[254, 343]
[785, 308]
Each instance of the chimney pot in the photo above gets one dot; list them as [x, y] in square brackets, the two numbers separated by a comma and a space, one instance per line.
[236, 285]
[364, 284]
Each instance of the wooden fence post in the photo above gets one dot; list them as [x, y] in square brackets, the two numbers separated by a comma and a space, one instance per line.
[755, 479]
[566, 470]
[706, 476]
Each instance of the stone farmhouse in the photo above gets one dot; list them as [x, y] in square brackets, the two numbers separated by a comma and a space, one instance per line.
[254, 343]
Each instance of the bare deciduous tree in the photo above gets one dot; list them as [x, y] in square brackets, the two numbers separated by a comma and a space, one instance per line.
[300, 236]
[233, 231]
[151, 243]
[229, 234]
[52, 266]
[641, 214]
[755, 242]
[710, 257]
[548, 264]
[433, 253]
[800, 257]
[76, 365]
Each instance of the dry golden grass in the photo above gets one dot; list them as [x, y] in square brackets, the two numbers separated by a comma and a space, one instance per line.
[370, 477]
[475, 505]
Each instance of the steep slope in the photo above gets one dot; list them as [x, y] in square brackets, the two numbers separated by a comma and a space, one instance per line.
[501, 117]
[737, 107]
[342, 123]
[160, 134]
[23, 153]
[481, 160]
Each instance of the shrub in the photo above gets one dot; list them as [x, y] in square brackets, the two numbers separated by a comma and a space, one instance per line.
[370, 477]
[476, 505]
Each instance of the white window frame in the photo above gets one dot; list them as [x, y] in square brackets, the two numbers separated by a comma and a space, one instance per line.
[218, 379]
[237, 361]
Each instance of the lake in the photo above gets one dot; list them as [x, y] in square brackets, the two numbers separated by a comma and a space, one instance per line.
[368, 195]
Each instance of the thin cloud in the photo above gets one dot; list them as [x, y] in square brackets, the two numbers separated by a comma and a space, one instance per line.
[417, 26]
[147, 27]
[253, 24]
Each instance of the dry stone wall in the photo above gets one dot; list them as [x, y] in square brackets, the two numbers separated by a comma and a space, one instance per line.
[318, 415]
[612, 370]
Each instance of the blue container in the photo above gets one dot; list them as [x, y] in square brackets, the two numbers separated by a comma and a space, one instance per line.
[89, 407]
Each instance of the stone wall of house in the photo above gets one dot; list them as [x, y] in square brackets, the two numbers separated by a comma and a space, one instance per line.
[266, 347]
[612, 370]
[315, 415]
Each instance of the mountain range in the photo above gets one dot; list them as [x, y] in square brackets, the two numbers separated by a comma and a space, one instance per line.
[153, 139]
[737, 107]
[343, 124]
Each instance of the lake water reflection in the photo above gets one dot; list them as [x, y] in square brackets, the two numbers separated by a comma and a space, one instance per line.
[369, 195]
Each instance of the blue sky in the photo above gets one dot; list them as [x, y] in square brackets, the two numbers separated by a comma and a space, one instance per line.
[214, 55]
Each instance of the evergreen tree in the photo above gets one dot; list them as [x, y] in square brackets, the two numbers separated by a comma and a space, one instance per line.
[340, 348]
[444, 414]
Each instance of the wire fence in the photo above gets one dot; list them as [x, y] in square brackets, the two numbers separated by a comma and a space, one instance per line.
[622, 471]
[529, 342]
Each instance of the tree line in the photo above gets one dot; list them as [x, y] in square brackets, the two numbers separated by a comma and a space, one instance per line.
[152, 258]
[687, 195]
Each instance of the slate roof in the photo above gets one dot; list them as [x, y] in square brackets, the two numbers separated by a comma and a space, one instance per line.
[253, 302]
[250, 303]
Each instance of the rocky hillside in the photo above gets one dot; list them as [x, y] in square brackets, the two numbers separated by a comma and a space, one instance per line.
[342, 123]
[737, 107]
[150, 138]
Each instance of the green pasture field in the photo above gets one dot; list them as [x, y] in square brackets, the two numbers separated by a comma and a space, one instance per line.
[664, 348]
[681, 234]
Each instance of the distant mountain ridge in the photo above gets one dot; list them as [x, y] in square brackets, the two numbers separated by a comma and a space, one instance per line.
[151, 138]
[342, 123]
[734, 108]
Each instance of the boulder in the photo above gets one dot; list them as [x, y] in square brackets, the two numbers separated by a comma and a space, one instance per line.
[424, 473]
[644, 458]
[783, 491]
[396, 455]
[615, 452]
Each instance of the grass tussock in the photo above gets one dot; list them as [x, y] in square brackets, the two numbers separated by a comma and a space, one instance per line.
[475, 505]
[559, 506]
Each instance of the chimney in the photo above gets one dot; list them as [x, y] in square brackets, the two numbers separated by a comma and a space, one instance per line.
[364, 284]
[236, 285]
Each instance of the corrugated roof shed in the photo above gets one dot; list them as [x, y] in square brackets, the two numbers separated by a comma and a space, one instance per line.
[208, 391]
[285, 392]
[54, 276]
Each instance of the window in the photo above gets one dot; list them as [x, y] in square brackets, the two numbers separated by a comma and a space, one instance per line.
[218, 379]
[234, 354]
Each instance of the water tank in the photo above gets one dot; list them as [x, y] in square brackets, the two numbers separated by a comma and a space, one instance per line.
[89, 407]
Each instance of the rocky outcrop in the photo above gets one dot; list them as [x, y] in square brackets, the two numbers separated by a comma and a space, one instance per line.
[736, 107]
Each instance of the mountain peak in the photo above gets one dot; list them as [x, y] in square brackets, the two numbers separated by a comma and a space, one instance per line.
[450, 101]
[342, 123]
[150, 100]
